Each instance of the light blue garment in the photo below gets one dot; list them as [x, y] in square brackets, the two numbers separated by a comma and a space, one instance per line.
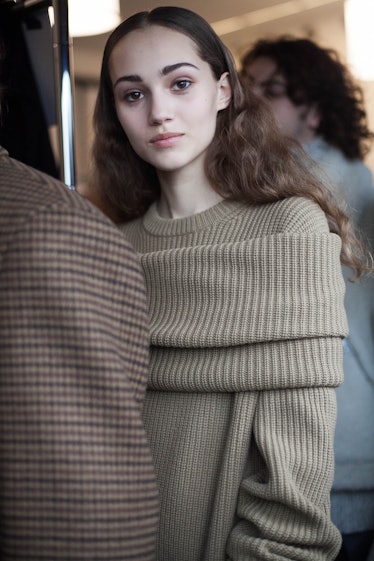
[352, 499]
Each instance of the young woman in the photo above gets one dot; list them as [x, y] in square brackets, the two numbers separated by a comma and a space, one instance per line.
[241, 251]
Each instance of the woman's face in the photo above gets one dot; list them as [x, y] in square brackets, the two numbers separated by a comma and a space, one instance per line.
[166, 97]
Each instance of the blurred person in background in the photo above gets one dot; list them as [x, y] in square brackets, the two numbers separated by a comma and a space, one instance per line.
[317, 102]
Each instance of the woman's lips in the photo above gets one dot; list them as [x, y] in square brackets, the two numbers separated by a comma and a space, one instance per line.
[166, 139]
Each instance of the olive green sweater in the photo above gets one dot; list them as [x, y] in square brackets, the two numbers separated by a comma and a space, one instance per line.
[247, 316]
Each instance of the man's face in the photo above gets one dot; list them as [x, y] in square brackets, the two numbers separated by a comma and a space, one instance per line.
[297, 121]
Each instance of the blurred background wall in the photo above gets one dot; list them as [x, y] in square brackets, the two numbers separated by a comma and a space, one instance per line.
[238, 22]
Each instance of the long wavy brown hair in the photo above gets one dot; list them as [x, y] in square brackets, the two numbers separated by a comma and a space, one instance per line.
[315, 75]
[248, 160]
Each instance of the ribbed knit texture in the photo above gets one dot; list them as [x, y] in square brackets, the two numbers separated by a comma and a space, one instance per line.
[246, 309]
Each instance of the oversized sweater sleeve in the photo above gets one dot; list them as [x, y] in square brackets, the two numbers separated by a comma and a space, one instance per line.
[283, 505]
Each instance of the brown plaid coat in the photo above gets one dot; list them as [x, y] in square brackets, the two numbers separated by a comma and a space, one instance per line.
[76, 477]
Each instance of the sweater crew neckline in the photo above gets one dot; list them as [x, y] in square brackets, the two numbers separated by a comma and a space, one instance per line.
[156, 225]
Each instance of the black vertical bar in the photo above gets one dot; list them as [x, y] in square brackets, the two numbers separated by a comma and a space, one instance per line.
[62, 48]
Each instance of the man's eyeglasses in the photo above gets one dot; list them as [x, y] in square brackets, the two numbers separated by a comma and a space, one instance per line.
[274, 88]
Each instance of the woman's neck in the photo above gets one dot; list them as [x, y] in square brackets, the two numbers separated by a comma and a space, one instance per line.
[181, 197]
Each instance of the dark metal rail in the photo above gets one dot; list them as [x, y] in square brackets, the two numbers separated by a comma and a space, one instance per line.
[64, 79]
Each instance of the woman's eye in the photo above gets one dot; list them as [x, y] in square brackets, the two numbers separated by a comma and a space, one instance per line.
[181, 85]
[133, 96]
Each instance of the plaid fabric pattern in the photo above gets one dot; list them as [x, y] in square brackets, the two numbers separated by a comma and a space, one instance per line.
[76, 476]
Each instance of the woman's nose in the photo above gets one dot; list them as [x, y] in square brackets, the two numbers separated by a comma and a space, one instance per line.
[160, 109]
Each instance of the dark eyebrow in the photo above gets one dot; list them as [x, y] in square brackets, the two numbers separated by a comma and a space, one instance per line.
[172, 67]
[165, 71]
[129, 78]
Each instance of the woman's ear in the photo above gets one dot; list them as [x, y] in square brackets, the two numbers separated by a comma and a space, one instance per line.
[223, 92]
